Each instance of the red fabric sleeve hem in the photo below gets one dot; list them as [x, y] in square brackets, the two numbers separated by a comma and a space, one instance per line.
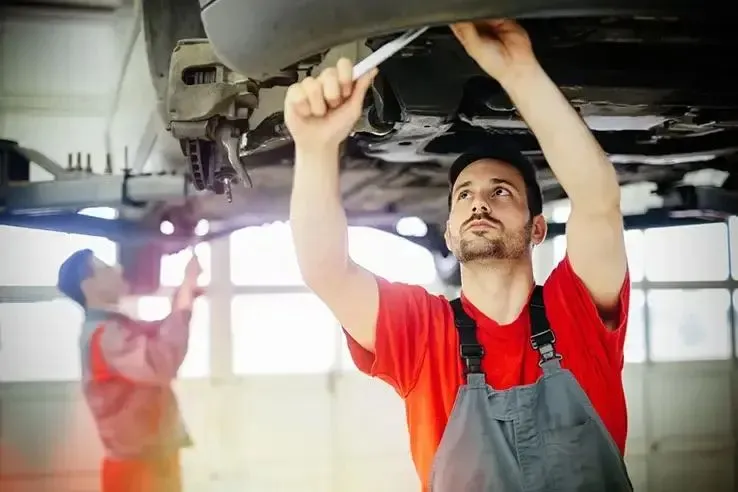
[614, 338]
[380, 363]
[623, 299]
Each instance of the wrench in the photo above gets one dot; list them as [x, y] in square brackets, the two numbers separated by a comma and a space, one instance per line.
[386, 51]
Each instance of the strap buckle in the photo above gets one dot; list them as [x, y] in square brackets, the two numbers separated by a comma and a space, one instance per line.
[543, 342]
[472, 355]
[553, 356]
[543, 338]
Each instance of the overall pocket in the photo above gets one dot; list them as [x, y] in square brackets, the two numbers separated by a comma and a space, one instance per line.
[577, 459]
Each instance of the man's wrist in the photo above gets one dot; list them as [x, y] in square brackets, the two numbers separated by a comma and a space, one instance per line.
[316, 153]
[523, 78]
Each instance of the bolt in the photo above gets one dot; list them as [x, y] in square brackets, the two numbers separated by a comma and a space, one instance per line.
[108, 163]
[228, 191]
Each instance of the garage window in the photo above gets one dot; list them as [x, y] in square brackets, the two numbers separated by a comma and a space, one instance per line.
[36, 255]
[282, 334]
[255, 251]
[173, 266]
[197, 362]
[733, 233]
[390, 256]
[689, 325]
[687, 253]
[40, 341]
[735, 317]
[634, 245]
[635, 335]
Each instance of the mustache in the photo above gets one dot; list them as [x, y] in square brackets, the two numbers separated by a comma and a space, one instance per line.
[481, 216]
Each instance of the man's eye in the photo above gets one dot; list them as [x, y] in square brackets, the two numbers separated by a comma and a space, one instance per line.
[463, 195]
[501, 192]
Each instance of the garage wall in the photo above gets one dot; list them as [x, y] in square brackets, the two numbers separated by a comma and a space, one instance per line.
[62, 72]
[315, 423]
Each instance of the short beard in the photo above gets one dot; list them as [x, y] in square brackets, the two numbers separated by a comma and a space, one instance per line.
[512, 246]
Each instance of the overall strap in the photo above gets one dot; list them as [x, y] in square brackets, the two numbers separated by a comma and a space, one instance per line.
[542, 337]
[469, 347]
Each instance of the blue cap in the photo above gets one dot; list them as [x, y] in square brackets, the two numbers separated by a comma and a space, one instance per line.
[75, 269]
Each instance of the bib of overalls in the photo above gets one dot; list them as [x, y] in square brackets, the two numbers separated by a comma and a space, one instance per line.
[541, 437]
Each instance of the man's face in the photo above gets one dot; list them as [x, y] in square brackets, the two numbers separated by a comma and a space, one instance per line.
[489, 217]
[106, 283]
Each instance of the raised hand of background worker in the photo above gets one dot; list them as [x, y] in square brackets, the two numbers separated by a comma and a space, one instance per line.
[189, 290]
[193, 270]
[501, 47]
[321, 112]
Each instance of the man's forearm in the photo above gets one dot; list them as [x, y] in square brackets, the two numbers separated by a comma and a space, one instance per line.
[575, 156]
[318, 221]
[149, 353]
[184, 297]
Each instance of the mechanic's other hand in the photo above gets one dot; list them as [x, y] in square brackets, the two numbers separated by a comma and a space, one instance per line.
[501, 47]
[321, 112]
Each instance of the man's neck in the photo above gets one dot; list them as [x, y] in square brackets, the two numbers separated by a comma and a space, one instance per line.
[498, 288]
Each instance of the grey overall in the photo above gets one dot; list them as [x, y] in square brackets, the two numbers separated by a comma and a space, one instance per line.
[542, 437]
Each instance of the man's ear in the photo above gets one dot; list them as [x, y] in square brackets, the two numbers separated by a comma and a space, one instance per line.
[86, 286]
[447, 237]
[539, 230]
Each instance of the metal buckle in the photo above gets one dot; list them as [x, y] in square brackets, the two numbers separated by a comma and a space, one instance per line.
[471, 350]
[546, 338]
[556, 356]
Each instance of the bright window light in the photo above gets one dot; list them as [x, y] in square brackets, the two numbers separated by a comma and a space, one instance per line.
[100, 212]
[202, 227]
[411, 227]
[166, 227]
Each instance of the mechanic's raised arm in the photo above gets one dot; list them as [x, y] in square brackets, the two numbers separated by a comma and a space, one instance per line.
[595, 240]
[152, 353]
[146, 354]
[320, 113]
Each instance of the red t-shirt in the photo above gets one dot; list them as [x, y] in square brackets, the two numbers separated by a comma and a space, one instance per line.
[417, 352]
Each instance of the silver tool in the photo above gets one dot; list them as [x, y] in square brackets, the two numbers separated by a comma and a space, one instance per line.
[385, 51]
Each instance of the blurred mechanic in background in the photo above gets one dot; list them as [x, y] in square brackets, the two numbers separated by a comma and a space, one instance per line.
[128, 367]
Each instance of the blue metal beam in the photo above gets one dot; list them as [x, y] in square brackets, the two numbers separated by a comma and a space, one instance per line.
[94, 191]
[74, 223]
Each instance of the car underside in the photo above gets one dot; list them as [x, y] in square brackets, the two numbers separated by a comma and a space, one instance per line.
[653, 80]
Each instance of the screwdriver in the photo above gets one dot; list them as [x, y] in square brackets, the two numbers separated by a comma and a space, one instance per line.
[363, 67]
[386, 51]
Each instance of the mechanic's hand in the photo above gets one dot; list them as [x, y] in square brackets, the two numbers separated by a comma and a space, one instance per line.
[321, 112]
[501, 47]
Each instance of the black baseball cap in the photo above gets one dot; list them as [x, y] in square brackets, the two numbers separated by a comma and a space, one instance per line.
[506, 152]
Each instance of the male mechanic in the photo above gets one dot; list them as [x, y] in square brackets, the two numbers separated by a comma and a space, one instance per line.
[489, 407]
[128, 368]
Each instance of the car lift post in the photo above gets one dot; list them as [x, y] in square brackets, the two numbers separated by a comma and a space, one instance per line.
[54, 204]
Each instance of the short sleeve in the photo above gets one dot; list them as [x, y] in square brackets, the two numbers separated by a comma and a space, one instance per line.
[149, 353]
[404, 318]
[580, 307]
